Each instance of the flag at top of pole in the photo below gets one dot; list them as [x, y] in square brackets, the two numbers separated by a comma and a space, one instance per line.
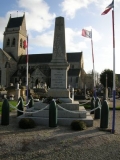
[86, 33]
[108, 8]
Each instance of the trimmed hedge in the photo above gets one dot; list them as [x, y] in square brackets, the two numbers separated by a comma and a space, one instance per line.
[78, 125]
[26, 123]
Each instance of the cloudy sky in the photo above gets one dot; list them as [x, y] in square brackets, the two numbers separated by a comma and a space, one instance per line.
[78, 14]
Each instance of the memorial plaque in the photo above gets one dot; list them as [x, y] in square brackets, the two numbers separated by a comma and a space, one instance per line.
[58, 78]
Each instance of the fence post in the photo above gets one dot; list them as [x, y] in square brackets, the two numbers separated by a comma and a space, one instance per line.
[31, 104]
[92, 104]
[97, 111]
[5, 112]
[53, 114]
[104, 115]
[20, 106]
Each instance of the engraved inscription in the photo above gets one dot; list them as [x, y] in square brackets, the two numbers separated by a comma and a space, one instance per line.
[58, 79]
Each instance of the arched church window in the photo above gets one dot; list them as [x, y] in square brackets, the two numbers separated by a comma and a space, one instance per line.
[8, 42]
[13, 42]
[21, 43]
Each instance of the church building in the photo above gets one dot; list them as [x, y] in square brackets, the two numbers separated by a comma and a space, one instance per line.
[13, 60]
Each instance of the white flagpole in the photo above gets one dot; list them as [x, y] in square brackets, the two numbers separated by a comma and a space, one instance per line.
[94, 92]
[27, 72]
[114, 87]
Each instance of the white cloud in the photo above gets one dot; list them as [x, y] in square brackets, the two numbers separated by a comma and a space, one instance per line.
[70, 7]
[72, 44]
[103, 4]
[43, 40]
[37, 14]
[72, 40]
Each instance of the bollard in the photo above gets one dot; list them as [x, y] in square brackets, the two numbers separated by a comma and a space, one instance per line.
[52, 114]
[97, 111]
[31, 104]
[104, 115]
[20, 106]
[92, 104]
[5, 112]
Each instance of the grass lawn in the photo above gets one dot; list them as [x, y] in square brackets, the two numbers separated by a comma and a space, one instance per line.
[14, 103]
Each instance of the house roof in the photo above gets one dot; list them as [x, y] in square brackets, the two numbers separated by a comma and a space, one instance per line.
[46, 58]
[15, 22]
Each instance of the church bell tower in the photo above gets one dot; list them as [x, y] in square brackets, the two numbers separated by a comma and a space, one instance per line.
[14, 35]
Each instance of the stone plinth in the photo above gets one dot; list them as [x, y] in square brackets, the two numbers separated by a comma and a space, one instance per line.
[64, 117]
[62, 94]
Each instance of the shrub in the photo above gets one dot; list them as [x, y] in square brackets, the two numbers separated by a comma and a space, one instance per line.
[78, 125]
[26, 123]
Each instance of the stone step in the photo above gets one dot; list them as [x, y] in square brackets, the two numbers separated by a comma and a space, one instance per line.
[69, 106]
[60, 121]
[60, 114]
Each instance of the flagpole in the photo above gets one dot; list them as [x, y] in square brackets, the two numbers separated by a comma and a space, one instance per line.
[27, 71]
[93, 67]
[114, 87]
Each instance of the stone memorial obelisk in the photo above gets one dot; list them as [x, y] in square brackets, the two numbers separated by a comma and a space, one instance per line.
[59, 65]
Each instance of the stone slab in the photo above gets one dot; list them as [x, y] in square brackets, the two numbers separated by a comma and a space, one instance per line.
[68, 106]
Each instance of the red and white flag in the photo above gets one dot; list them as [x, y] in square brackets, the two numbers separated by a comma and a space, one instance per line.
[108, 8]
[86, 33]
[24, 44]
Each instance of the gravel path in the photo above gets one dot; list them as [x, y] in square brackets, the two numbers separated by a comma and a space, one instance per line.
[60, 143]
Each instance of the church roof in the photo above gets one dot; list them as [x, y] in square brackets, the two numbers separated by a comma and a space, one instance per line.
[74, 56]
[5, 53]
[15, 22]
[22, 72]
[73, 72]
[46, 58]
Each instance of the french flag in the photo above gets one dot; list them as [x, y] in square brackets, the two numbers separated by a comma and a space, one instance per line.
[108, 8]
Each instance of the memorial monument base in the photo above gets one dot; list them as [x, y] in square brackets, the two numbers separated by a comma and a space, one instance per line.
[64, 118]
[61, 94]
